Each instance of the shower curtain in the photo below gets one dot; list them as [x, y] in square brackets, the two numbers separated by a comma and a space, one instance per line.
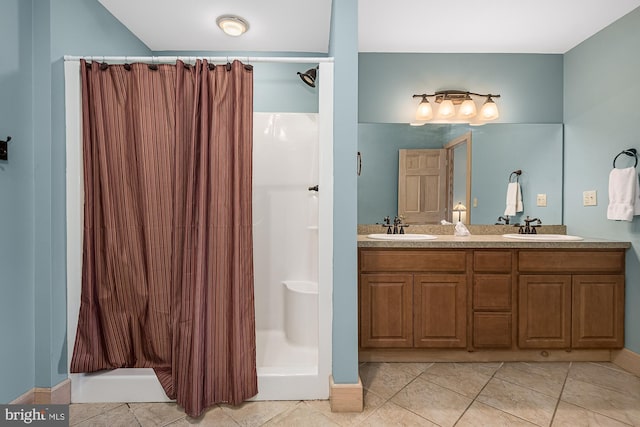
[167, 276]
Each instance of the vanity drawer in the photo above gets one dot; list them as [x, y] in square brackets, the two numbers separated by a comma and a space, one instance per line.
[492, 261]
[492, 292]
[413, 260]
[492, 330]
[547, 261]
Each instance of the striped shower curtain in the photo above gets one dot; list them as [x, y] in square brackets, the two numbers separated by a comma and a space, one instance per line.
[167, 276]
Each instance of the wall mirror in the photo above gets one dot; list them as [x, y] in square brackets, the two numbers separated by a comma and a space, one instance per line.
[496, 151]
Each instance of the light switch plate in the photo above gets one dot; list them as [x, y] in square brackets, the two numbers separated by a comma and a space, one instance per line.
[589, 198]
[541, 200]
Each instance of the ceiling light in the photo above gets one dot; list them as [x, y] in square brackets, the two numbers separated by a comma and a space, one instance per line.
[449, 100]
[232, 25]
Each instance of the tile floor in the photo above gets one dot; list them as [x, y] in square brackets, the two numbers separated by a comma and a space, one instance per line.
[425, 394]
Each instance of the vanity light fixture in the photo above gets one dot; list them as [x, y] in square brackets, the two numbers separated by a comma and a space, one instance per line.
[232, 25]
[448, 100]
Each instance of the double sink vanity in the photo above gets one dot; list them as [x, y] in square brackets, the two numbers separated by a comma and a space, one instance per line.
[430, 296]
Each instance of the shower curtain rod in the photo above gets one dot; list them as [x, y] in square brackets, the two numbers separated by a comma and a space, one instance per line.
[170, 59]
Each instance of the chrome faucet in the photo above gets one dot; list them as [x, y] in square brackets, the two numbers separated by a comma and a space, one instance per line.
[527, 228]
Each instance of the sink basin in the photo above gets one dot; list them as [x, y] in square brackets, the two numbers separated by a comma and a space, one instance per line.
[402, 237]
[544, 237]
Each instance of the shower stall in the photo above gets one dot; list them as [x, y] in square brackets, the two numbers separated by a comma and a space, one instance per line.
[292, 232]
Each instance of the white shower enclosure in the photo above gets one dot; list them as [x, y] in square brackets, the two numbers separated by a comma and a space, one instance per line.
[285, 250]
[293, 250]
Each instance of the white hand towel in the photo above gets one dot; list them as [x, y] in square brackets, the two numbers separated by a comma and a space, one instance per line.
[514, 199]
[624, 194]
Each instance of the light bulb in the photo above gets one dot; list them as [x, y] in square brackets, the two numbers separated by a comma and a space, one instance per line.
[446, 109]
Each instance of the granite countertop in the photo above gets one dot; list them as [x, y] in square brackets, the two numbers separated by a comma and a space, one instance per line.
[482, 236]
[491, 241]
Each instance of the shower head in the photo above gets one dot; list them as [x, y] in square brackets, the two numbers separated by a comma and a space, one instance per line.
[309, 76]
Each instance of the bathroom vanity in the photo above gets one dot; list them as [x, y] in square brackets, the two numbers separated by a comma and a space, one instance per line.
[490, 298]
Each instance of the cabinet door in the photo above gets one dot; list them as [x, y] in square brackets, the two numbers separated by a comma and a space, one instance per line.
[598, 311]
[440, 310]
[386, 310]
[544, 319]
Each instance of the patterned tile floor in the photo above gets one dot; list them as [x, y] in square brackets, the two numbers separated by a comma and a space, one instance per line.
[425, 394]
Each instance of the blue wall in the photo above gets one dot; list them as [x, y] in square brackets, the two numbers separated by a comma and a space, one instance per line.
[343, 46]
[16, 202]
[601, 92]
[530, 85]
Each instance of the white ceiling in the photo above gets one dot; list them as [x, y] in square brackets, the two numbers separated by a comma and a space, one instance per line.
[507, 26]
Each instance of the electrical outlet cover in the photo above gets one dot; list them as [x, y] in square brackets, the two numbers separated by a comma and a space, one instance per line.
[541, 200]
[589, 198]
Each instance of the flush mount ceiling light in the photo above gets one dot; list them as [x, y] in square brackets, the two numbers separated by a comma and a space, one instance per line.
[232, 25]
[450, 99]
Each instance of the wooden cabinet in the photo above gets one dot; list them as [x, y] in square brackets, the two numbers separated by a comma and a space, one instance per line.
[505, 299]
[566, 308]
[413, 298]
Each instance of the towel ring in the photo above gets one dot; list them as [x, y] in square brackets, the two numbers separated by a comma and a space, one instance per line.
[517, 174]
[631, 152]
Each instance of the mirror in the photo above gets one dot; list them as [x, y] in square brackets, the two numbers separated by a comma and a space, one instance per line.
[497, 150]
